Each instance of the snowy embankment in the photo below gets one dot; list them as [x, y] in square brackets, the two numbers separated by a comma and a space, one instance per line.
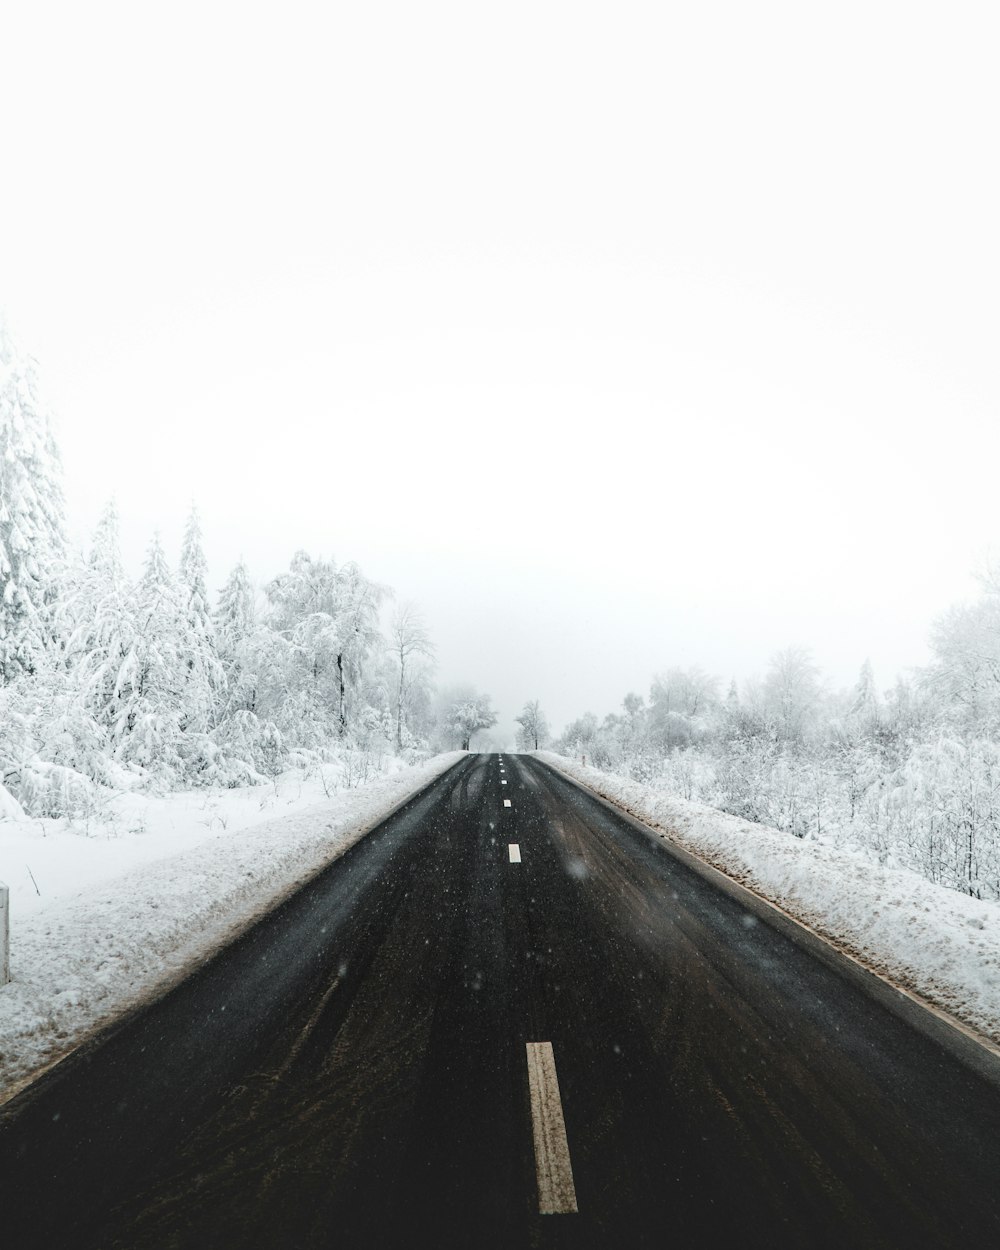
[935, 943]
[100, 923]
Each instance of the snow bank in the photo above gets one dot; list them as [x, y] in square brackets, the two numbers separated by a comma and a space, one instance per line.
[81, 957]
[45, 859]
[925, 938]
[10, 809]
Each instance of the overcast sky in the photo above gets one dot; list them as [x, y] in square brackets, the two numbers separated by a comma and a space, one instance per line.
[617, 335]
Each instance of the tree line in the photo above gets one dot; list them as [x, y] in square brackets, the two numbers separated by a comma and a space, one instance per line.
[109, 681]
[911, 774]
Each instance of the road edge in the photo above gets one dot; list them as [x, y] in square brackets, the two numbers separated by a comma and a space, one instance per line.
[102, 1031]
[964, 1041]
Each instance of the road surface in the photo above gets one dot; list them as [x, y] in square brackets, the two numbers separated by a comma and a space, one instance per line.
[510, 1017]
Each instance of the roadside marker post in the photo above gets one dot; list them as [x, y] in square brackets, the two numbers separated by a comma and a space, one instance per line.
[4, 934]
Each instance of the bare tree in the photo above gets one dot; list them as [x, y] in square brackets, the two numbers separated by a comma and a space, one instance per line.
[965, 674]
[534, 727]
[409, 638]
[791, 692]
[688, 692]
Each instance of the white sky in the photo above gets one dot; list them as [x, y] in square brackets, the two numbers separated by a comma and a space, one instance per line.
[617, 335]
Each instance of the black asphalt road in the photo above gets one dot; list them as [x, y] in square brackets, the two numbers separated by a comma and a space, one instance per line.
[353, 1072]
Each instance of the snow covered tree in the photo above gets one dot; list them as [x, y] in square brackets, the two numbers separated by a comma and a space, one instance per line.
[235, 625]
[156, 586]
[101, 613]
[791, 693]
[633, 705]
[685, 692]
[32, 541]
[534, 727]
[579, 736]
[330, 618]
[304, 610]
[192, 573]
[202, 671]
[965, 674]
[235, 616]
[409, 639]
[679, 701]
[105, 550]
[255, 660]
[358, 631]
[464, 712]
[864, 697]
[148, 716]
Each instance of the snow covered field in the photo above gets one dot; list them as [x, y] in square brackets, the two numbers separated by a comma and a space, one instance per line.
[930, 940]
[99, 922]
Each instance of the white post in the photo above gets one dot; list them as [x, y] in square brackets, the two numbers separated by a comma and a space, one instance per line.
[4, 935]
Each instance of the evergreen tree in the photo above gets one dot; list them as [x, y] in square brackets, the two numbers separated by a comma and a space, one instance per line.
[105, 551]
[32, 540]
[156, 586]
[235, 616]
[203, 673]
[236, 631]
[149, 685]
[193, 572]
[101, 616]
[864, 698]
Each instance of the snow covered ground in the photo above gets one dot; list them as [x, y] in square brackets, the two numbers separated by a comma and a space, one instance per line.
[99, 922]
[932, 941]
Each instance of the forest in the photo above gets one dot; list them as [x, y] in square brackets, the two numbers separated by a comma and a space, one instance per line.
[109, 682]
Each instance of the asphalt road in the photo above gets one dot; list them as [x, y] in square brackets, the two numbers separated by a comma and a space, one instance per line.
[373, 1065]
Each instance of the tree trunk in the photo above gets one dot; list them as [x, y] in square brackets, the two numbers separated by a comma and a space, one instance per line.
[340, 677]
[399, 709]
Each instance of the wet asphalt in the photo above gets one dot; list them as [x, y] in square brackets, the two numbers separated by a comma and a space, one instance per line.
[352, 1072]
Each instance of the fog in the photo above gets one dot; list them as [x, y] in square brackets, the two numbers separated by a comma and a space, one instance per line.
[617, 337]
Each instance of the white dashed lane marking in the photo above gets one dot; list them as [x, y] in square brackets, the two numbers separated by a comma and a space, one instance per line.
[556, 1191]
[514, 851]
[506, 802]
[503, 783]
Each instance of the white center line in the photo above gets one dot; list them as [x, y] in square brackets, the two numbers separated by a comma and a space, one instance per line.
[506, 802]
[503, 783]
[556, 1191]
[514, 851]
